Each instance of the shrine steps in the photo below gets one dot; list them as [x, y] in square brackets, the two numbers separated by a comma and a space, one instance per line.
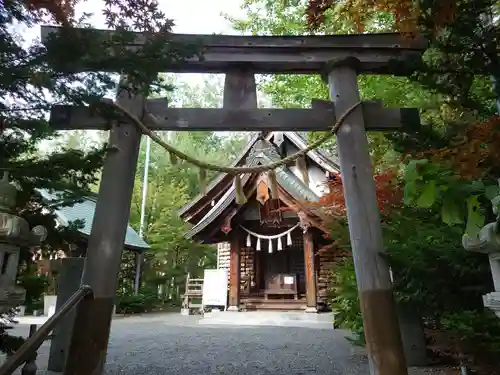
[255, 304]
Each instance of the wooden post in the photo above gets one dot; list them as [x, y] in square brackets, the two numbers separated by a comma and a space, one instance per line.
[383, 339]
[258, 269]
[68, 283]
[30, 366]
[240, 92]
[234, 273]
[90, 335]
[311, 298]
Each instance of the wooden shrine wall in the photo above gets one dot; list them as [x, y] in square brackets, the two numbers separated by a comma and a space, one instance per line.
[326, 261]
[247, 269]
[246, 263]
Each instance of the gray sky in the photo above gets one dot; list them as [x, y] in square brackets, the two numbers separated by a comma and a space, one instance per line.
[190, 17]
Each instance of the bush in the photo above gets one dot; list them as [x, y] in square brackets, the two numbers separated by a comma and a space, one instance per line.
[435, 276]
[35, 286]
[345, 301]
[470, 336]
[136, 304]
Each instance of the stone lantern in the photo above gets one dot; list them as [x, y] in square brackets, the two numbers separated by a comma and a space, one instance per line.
[488, 242]
[14, 234]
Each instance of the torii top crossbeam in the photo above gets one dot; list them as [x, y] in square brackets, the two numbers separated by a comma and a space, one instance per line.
[282, 54]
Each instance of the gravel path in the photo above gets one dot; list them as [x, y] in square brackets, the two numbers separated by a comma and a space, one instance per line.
[175, 345]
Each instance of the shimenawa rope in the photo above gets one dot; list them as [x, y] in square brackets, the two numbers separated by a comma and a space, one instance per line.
[235, 171]
[230, 170]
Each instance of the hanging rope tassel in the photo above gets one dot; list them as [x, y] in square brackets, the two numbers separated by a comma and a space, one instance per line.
[249, 241]
[202, 176]
[270, 246]
[279, 237]
[240, 194]
[273, 183]
[173, 158]
[302, 168]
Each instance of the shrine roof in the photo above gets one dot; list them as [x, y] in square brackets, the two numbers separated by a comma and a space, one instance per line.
[83, 209]
[284, 176]
[221, 176]
[326, 163]
[329, 164]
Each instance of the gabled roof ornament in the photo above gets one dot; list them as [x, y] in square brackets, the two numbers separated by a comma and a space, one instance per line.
[278, 138]
[262, 192]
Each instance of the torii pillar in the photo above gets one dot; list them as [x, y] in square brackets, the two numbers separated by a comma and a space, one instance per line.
[91, 329]
[380, 320]
[240, 93]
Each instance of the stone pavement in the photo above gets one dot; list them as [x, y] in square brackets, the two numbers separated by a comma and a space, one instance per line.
[177, 345]
[269, 318]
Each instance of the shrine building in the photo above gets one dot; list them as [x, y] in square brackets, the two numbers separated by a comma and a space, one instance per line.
[271, 247]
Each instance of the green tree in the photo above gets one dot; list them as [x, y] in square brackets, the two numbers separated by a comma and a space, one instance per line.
[460, 186]
[34, 77]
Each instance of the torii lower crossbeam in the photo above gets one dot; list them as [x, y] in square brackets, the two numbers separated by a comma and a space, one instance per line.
[320, 117]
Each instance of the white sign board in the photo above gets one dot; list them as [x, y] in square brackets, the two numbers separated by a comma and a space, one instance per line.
[215, 288]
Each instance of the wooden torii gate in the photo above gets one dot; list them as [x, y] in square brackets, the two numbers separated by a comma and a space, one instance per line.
[340, 59]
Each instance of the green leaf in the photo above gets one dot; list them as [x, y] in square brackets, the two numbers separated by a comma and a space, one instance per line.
[491, 191]
[475, 218]
[411, 172]
[450, 211]
[410, 193]
[477, 185]
[474, 187]
[428, 195]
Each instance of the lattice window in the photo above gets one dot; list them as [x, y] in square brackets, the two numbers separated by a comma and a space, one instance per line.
[247, 268]
[297, 264]
[223, 255]
[297, 240]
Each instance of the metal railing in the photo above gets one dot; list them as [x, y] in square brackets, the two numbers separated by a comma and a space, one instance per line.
[30, 346]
